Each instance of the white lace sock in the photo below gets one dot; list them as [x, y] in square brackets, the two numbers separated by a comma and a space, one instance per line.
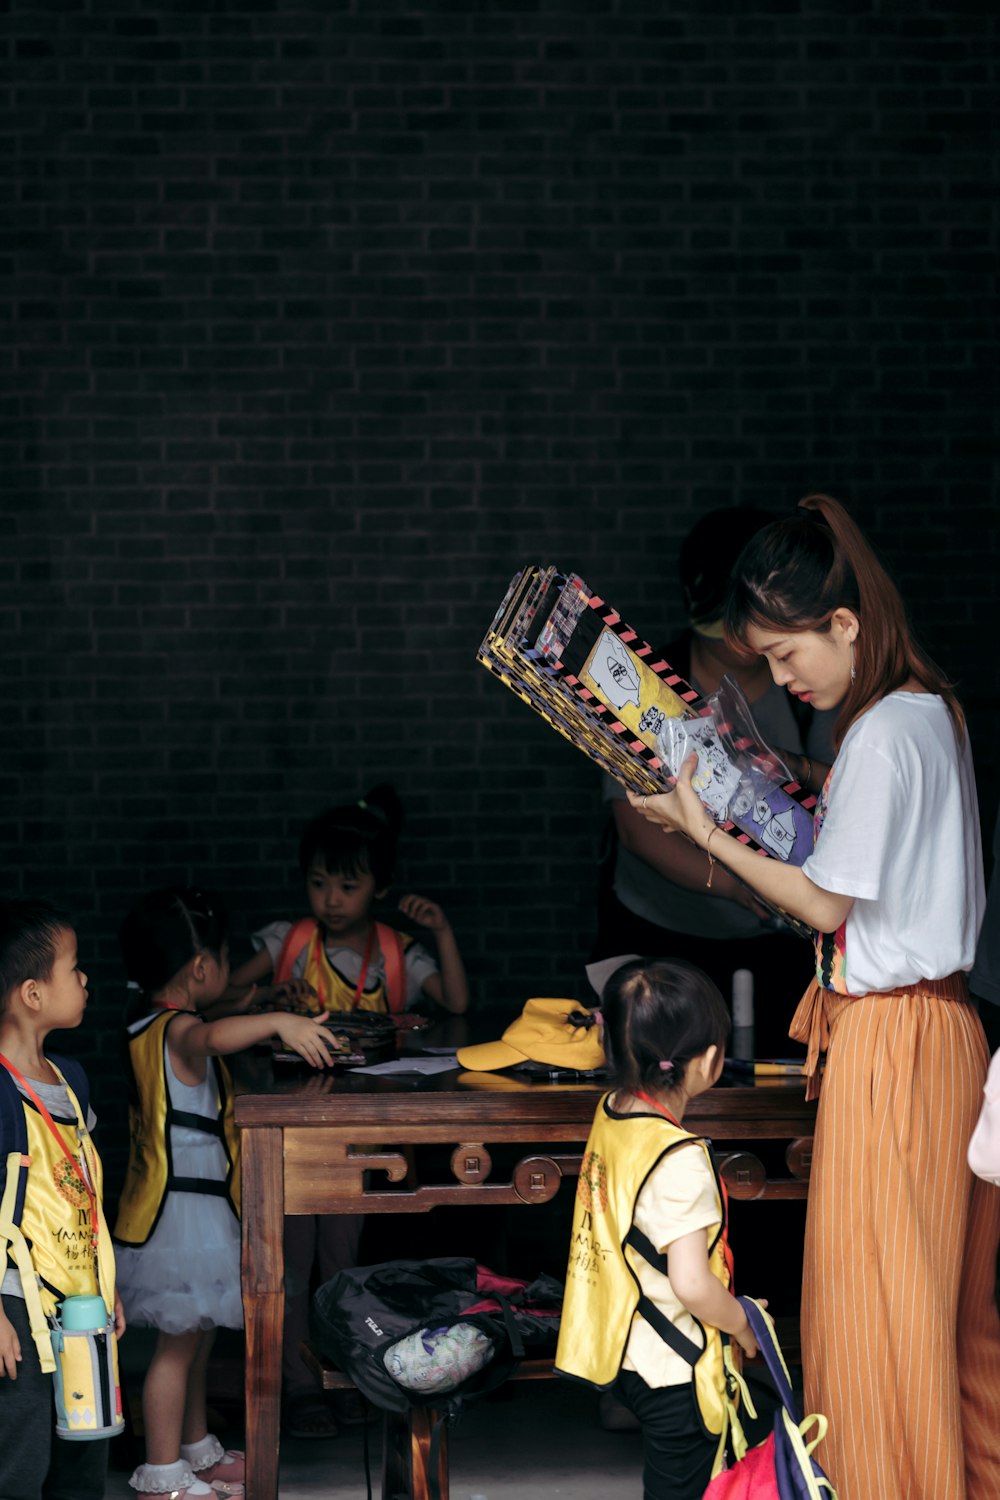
[203, 1454]
[163, 1479]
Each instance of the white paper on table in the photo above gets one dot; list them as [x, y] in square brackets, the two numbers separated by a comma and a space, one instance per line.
[426, 1065]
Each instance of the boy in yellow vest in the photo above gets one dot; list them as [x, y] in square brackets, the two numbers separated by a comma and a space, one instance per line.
[337, 959]
[54, 1242]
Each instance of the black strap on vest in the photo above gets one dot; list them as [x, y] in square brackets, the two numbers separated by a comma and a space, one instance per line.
[658, 1322]
[194, 1122]
[210, 1187]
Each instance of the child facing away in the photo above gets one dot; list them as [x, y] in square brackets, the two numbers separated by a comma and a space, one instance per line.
[177, 1232]
[58, 1245]
[647, 1307]
[341, 958]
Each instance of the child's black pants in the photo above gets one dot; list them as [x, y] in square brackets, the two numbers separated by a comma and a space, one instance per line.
[34, 1463]
[677, 1456]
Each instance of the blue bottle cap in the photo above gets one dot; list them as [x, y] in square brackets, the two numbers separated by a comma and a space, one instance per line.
[82, 1314]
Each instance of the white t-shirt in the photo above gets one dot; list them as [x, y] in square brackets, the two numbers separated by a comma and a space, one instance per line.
[678, 1197]
[898, 829]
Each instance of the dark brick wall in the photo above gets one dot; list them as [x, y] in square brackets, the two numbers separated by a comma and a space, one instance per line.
[322, 317]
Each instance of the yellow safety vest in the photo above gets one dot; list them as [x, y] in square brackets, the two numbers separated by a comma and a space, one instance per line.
[51, 1242]
[603, 1294]
[150, 1175]
[333, 992]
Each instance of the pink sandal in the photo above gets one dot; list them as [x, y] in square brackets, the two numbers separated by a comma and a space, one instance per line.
[227, 1475]
[172, 1494]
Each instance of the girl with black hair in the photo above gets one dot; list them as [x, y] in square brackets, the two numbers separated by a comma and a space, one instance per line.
[648, 1311]
[177, 1236]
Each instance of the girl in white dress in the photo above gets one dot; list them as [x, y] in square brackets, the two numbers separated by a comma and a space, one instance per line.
[178, 1233]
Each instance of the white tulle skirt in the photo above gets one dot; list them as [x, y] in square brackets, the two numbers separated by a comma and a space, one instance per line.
[187, 1275]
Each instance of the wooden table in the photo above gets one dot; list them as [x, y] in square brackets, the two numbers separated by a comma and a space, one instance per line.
[321, 1144]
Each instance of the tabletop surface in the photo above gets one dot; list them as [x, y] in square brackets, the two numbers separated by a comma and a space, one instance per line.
[274, 1094]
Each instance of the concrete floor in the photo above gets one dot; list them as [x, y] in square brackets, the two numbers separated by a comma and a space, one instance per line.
[532, 1442]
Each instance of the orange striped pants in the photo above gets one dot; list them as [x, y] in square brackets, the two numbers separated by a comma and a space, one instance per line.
[900, 1329]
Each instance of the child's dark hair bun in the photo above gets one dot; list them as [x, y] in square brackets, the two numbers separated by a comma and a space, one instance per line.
[357, 838]
[166, 928]
[382, 800]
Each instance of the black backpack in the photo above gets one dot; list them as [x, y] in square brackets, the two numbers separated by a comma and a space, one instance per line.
[362, 1312]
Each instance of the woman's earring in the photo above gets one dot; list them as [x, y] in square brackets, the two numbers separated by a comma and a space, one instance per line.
[853, 672]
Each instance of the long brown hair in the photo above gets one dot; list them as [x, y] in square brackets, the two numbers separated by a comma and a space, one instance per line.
[796, 573]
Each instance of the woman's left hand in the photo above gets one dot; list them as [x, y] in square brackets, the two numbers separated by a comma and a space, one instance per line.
[679, 811]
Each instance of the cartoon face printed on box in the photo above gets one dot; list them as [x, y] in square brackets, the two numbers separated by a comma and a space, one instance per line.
[777, 830]
[779, 824]
[640, 698]
[614, 671]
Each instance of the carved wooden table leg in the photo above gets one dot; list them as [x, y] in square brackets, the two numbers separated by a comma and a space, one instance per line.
[263, 1304]
[409, 1452]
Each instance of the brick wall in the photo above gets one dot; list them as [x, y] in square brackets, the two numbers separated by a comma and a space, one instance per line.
[322, 317]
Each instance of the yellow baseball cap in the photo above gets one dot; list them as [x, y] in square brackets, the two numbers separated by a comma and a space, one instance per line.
[561, 1033]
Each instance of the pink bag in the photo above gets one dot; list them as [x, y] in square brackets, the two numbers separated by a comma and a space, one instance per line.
[782, 1467]
[753, 1478]
[984, 1148]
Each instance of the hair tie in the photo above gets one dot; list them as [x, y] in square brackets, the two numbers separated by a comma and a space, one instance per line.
[379, 813]
[667, 1065]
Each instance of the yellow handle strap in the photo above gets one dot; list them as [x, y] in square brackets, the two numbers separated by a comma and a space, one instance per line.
[733, 1423]
[821, 1425]
[796, 1436]
[11, 1235]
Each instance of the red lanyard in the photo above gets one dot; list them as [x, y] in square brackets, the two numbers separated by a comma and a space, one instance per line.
[365, 961]
[726, 1247]
[91, 1194]
[648, 1099]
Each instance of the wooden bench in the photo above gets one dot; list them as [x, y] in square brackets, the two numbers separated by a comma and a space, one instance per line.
[411, 1438]
[408, 1438]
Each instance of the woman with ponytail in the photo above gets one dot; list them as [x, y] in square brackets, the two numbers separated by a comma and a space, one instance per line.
[901, 1334]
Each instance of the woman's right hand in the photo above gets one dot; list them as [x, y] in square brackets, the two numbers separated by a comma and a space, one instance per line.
[306, 1036]
[679, 811]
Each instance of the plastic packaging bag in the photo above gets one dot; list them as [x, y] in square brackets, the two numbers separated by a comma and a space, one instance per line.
[439, 1359]
[739, 778]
